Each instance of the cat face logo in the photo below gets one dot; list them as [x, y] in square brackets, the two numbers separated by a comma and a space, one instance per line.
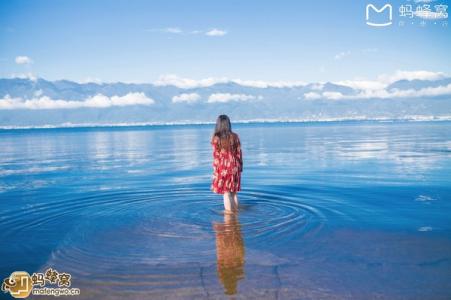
[18, 284]
[384, 21]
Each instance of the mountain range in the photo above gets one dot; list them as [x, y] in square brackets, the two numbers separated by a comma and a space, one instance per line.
[39, 102]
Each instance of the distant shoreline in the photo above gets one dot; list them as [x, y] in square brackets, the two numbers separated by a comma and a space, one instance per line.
[241, 122]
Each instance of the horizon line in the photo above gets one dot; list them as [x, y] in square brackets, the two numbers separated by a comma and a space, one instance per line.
[411, 118]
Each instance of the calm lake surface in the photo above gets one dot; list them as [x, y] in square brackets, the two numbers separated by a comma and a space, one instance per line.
[339, 210]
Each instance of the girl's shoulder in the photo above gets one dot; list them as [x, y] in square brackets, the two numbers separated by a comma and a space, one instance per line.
[214, 139]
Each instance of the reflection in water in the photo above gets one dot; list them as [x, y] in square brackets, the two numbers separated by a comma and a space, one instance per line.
[229, 252]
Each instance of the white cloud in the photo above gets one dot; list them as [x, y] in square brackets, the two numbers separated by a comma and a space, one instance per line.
[227, 97]
[377, 89]
[23, 60]
[216, 32]
[342, 55]
[410, 93]
[312, 96]
[333, 95]
[29, 76]
[187, 98]
[411, 75]
[363, 84]
[266, 84]
[175, 30]
[383, 81]
[384, 94]
[97, 101]
[365, 51]
[186, 83]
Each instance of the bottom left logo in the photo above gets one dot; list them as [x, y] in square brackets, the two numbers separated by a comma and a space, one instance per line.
[20, 284]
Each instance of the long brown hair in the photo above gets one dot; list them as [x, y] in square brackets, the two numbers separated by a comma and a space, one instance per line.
[227, 139]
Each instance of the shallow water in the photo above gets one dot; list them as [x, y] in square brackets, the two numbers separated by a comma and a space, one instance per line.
[346, 210]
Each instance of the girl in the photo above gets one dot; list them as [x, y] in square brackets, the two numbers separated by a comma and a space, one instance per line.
[227, 163]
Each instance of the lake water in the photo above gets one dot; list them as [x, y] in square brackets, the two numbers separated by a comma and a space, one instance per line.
[339, 210]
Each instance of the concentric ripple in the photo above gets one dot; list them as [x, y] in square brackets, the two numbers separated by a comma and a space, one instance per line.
[261, 214]
[168, 225]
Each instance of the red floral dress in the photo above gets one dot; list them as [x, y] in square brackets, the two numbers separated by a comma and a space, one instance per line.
[227, 167]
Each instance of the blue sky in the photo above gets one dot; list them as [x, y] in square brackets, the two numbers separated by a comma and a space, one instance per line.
[139, 41]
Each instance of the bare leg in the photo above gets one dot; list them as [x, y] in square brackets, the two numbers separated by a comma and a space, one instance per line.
[228, 202]
[235, 199]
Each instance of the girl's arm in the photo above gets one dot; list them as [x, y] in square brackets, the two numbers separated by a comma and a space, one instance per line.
[214, 143]
[239, 154]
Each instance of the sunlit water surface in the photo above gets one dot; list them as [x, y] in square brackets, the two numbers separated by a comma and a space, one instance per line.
[357, 210]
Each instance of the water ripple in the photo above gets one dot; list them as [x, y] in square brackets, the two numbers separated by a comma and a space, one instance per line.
[263, 214]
